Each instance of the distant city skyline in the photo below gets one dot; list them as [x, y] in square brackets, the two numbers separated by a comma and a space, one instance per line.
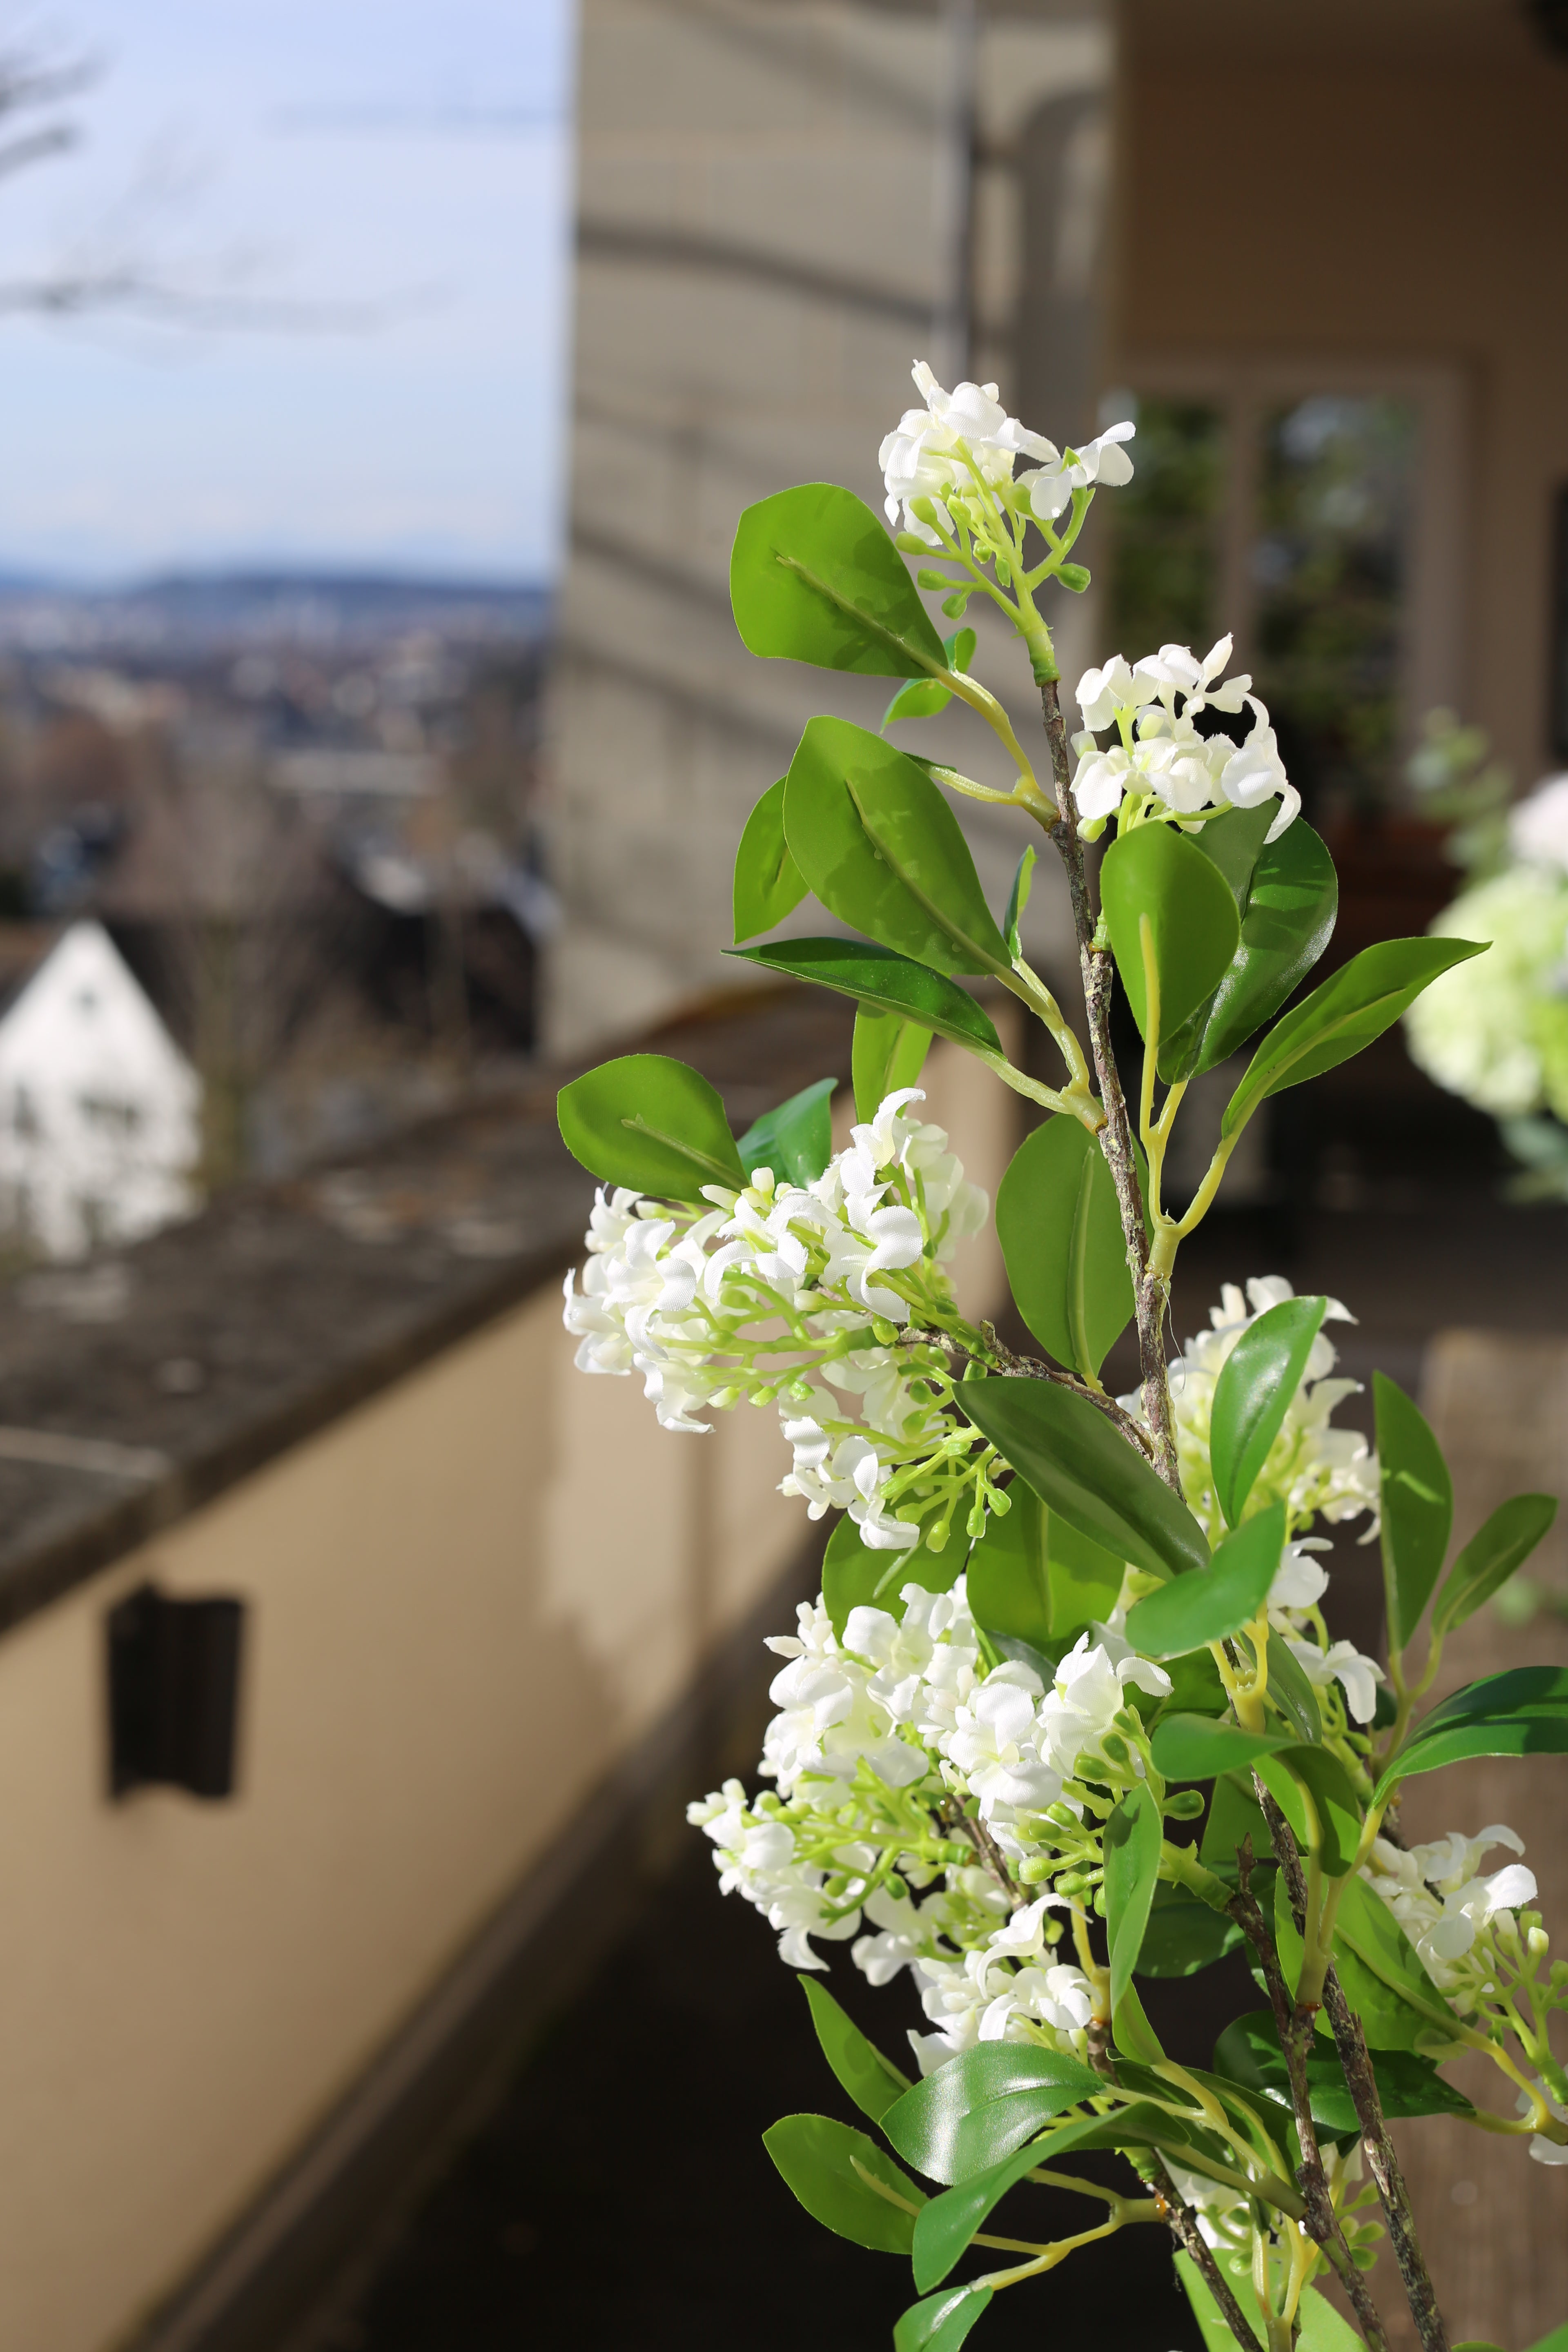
[374, 194]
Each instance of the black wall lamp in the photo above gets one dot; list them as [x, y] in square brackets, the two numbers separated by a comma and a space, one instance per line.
[174, 1691]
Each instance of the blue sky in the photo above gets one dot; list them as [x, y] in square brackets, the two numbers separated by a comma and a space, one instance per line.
[407, 161]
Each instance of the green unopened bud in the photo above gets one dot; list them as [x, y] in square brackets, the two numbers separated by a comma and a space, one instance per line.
[1100, 1902]
[1186, 1805]
[1061, 1817]
[1115, 1748]
[1035, 1868]
[1074, 576]
[884, 1333]
[1538, 1943]
[1074, 1882]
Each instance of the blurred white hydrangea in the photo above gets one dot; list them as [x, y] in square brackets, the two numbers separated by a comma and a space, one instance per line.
[1495, 1028]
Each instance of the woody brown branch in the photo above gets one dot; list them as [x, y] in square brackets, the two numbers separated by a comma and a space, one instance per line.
[1151, 1293]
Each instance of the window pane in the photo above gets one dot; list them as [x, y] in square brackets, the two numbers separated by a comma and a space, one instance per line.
[1165, 580]
[1330, 562]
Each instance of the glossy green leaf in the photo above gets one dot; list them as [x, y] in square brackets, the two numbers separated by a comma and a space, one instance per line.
[1253, 1393]
[1190, 1611]
[1009, 1572]
[1322, 2329]
[1192, 1747]
[650, 1123]
[856, 1576]
[879, 843]
[1248, 2053]
[1166, 906]
[831, 2168]
[1556, 2342]
[951, 2220]
[873, 2081]
[1366, 1929]
[980, 2106]
[1196, 1688]
[1289, 1692]
[885, 982]
[814, 577]
[1083, 1469]
[1132, 1839]
[1184, 1935]
[1086, 1578]
[923, 697]
[889, 1053]
[1521, 1712]
[1131, 2032]
[1355, 1005]
[1286, 898]
[1060, 1231]
[1388, 2021]
[1489, 1559]
[943, 2321]
[1417, 1507]
[768, 884]
[796, 1140]
[1017, 900]
[1336, 1813]
[1234, 1814]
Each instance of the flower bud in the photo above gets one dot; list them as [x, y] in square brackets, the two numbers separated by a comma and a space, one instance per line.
[1186, 1805]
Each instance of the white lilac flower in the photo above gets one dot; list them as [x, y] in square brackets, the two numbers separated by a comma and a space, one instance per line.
[1085, 1699]
[1100, 460]
[1341, 1661]
[1444, 1904]
[1159, 752]
[993, 1744]
[1300, 1583]
[1316, 1470]
[828, 1722]
[936, 451]
[909, 1932]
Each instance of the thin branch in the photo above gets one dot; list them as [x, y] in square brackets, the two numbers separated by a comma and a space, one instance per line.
[1150, 1291]
[1002, 1359]
[1356, 2064]
[1296, 2027]
[1183, 2227]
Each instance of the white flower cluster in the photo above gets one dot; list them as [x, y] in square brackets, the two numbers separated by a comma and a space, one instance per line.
[1538, 825]
[889, 1726]
[1159, 754]
[1315, 1470]
[1445, 1906]
[796, 1294]
[962, 446]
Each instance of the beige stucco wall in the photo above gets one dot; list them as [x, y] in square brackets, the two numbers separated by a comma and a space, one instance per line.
[468, 1599]
[1378, 180]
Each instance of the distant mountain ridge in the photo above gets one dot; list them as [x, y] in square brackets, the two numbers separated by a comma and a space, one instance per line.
[199, 611]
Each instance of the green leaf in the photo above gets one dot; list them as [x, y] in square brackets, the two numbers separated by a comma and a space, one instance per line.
[815, 578]
[855, 1576]
[1234, 1814]
[1017, 900]
[1521, 1712]
[1084, 1470]
[652, 1124]
[1389, 2020]
[1086, 1578]
[1253, 1393]
[1166, 906]
[941, 2322]
[1060, 1231]
[1287, 895]
[1489, 1559]
[1196, 1688]
[1009, 1572]
[1248, 2053]
[1355, 1005]
[1130, 2030]
[831, 2168]
[1335, 1809]
[1194, 1748]
[1193, 1610]
[1132, 1840]
[873, 2081]
[983, 2103]
[769, 884]
[1322, 2329]
[1289, 1692]
[879, 843]
[1365, 1926]
[889, 1053]
[923, 697]
[885, 982]
[1417, 1507]
[950, 2220]
[796, 1140]
[1556, 2342]
[1184, 1935]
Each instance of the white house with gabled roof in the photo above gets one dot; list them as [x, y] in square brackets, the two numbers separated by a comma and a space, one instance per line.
[98, 1108]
